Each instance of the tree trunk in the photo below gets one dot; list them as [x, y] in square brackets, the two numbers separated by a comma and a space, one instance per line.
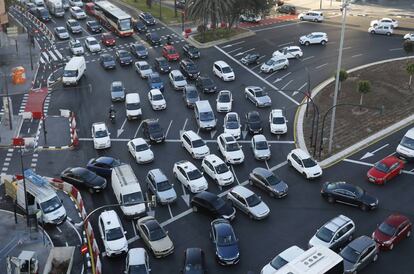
[360, 101]
[409, 82]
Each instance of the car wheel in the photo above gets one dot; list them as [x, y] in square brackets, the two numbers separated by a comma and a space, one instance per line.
[331, 199]
[192, 154]
[307, 43]
[399, 172]
[271, 71]
[372, 31]
[301, 18]
[251, 216]
[195, 209]
[271, 194]
[315, 20]
[391, 247]
[297, 56]
[375, 258]
[289, 162]
[350, 238]
[364, 207]
[304, 174]
[285, 67]
[388, 33]
[250, 182]
[408, 234]
[323, 42]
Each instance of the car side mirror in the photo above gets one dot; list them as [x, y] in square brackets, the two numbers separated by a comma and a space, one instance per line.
[125, 232]
[269, 145]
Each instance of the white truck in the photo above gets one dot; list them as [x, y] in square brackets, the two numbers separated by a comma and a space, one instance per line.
[55, 7]
[74, 70]
[127, 191]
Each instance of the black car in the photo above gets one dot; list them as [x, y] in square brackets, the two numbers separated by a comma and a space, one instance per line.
[190, 95]
[189, 69]
[225, 242]
[103, 165]
[250, 58]
[206, 84]
[140, 27]
[194, 261]
[139, 51]
[210, 203]
[343, 192]
[107, 61]
[288, 9]
[268, 181]
[93, 26]
[161, 65]
[147, 18]
[124, 57]
[153, 130]
[153, 38]
[254, 122]
[83, 177]
[42, 14]
[191, 51]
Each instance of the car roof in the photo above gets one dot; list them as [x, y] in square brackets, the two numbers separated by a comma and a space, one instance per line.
[187, 61]
[158, 174]
[136, 256]
[208, 196]
[176, 72]
[242, 191]
[213, 159]
[138, 141]
[225, 91]
[186, 165]
[110, 219]
[151, 121]
[255, 88]
[410, 133]
[336, 223]
[228, 138]
[396, 219]
[116, 83]
[277, 113]
[221, 63]
[222, 226]
[290, 253]
[259, 138]
[122, 50]
[105, 159]
[168, 47]
[141, 63]
[76, 8]
[150, 222]
[61, 27]
[99, 126]
[132, 97]
[390, 160]
[192, 135]
[253, 113]
[318, 33]
[155, 91]
[361, 243]
[301, 153]
[72, 21]
[193, 255]
[154, 74]
[90, 38]
[262, 171]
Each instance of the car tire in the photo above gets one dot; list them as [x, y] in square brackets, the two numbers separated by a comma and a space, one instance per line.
[297, 56]
[250, 182]
[251, 216]
[323, 42]
[372, 31]
[388, 34]
[408, 234]
[257, 104]
[301, 18]
[350, 238]
[304, 174]
[195, 209]
[331, 199]
[271, 194]
[375, 258]
[285, 67]
[315, 20]
[307, 43]
[364, 207]
[289, 162]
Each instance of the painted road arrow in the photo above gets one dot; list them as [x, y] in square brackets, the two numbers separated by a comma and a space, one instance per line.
[372, 153]
[119, 131]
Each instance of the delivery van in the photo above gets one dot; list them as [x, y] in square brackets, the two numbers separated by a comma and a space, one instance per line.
[74, 70]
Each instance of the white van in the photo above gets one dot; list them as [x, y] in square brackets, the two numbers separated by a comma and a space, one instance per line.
[133, 106]
[406, 147]
[127, 191]
[314, 16]
[204, 115]
[74, 70]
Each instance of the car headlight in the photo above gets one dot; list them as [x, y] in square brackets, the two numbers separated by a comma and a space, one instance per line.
[388, 242]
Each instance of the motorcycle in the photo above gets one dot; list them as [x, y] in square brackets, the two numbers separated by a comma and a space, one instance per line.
[112, 117]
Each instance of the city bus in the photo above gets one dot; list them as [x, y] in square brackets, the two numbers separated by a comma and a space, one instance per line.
[113, 18]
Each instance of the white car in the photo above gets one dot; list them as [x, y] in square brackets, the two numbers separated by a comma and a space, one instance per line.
[194, 144]
[248, 202]
[274, 64]
[257, 96]
[224, 101]
[112, 233]
[76, 47]
[230, 149]
[77, 13]
[381, 29]
[92, 44]
[250, 18]
[232, 124]
[314, 16]
[100, 136]
[190, 176]
[384, 22]
[137, 260]
[76, 3]
[223, 71]
[217, 169]
[277, 121]
[282, 259]
[140, 150]
[304, 164]
[260, 147]
[157, 99]
[177, 79]
[314, 38]
[409, 37]
[143, 69]
[289, 52]
[61, 33]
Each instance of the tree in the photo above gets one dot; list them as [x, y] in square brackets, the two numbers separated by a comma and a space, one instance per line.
[408, 47]
[364, 86]
[343, 75]
[410, 71]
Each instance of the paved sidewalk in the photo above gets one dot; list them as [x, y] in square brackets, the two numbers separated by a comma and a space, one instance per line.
[58, 133]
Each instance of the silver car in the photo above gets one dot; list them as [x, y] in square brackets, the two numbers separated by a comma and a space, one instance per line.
[248, 202]
[76, 47]
[260, 147]
[358, 254]
[177, 79]
[143, 69]
[258, 96]
[159, 185]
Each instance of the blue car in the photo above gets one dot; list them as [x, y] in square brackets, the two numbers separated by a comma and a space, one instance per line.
[155, 82]
[103, 165]
[226, 243]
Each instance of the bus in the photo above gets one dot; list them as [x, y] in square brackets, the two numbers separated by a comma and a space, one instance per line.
[113, 18]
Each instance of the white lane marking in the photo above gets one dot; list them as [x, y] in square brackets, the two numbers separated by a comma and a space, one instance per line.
[185, 123]
[60, 231]
[358, 162]
[321, 66]
[168, 129]
[169, 210]
[230, 45]
[345, 48]
[53, 56]
[134, 229]
[133, 239]
[287, 84]
[395, 49]
[304, 85]
[234, 174]
[45, 56]
[57, 52]
[277, 27]
[285, 44]
[356, 55]
[241, 53]
[231, 51]
[307, 58]
[136, 132]
[271, 74]
[267, 164]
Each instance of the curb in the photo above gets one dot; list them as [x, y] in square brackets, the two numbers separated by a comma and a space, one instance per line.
[248, 33]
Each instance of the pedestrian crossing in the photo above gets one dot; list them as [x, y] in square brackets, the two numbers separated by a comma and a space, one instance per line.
[52, 55]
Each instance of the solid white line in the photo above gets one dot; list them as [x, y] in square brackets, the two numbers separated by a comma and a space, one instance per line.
[231, 51]
[185, 123]
[45, 56]
[288, 83]
[168, 129]
[378, 149]
[304, 85]
[356, 55]
[276, 27]
[51, 54]
[395, 49]
[346, 48]
[136, 132]
[169, 210]
[285, 44]
[57, 52]
[307, 58]
[234, 174]
[60, 231]
[267, 165]
[241, 53]
[358, 162]
[271, 74]
[133, 228]
[321, 66]
[230, 45]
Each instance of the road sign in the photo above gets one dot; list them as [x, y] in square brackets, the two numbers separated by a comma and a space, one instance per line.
[11, 31]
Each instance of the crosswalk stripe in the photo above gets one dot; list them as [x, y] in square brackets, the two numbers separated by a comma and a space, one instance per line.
[45, 57]
[53, 56]
[41, 60]
[59, 55]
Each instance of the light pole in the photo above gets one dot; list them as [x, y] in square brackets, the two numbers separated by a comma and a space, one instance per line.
[160, 11]
[6, 90]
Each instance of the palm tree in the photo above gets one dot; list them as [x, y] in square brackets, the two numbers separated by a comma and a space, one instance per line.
[410, 71]
[364, 86]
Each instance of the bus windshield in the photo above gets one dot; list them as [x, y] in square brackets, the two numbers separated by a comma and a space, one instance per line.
[124, 24]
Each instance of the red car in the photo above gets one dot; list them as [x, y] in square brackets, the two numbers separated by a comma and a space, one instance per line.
[385, 170]
[170, 53]
[394, 229]
[108, 39]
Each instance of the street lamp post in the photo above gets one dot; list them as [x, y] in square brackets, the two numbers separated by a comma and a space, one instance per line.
[160, 11]
[6, 90]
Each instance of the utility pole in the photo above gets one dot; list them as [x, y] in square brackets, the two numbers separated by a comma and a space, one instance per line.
[6, 90]
[160, 11]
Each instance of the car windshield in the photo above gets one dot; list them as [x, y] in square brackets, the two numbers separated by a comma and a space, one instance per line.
[407, 142]
[260, 93]
[76, 45]
[270, 62]
[226, 240]
[157, 97]
[207, 82]
[194, 174]
[324, 234]
[92, 42]
[86, 175]
[155, 37]
[140, 48]
[44, 12]
[278, 262]
[74, 24]
[222, 168]
[107, 58]
[261, 145]
[226, 70]
[278, 120]
[145, 67]
[171, 51]
[142, 147]
[61, 30]
[254, 118]
[101, 133]
[232, 147]
[198, 143]
[358, 191]
[253, 200]
[114, 234]
[154, 127]
[163, 63]
[192, 49]
[132, 198]
[132, 106]
[124, 24]
[157, 233]
[224, 98]
[163, 186]
[309, 162]
[206, 116]
[192, 93]
[191, 67]
[232, 124]
[137, 269]
[124, 54]
[70, 73]
[93, 24]
[218, 203]
[51, 205]
[155, 79]
[382, 167]
[273, 179]
[350, 254]
[179, 78]
[387, 229]
[117, 88]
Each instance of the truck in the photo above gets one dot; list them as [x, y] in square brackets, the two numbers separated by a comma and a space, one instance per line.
[55, 7]
[74, 70]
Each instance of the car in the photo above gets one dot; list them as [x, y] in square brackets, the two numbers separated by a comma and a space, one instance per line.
[189, 69]
[82, 177]
[277, 121]
[143, 69]
[358, 254]
[384, 22]
[191, 52]
[159, 185]
[409, 37]
[405, 148]
[147, 18]
[193, 143]
[346, 193]
[254, 122]
[381, 29]
[177, 80]
[230, 149]
[223, 71]
[225, 242]
[161, 65]
[289, 52]
[232, 124]
[257, 96]
[155, 237]
[248, 202]
[93, 26]
[76, 47]
[314, 38]
[137, 261]
[112, 233]
[108, 39]
[269, 182]
[206, 85]
[42, 14]
[190, 176]
[260, 147]
[287, 9]
[92, 44]
[107, 61]
[393, 230]
[124, 57]
[117, 91]
[250, 58]
[250, 18]
[282, 259]
[153, 130]
[224, 101]
[140, 27]
[170, 53]
[274, 64]
[190, 96]
[100, 136]
[194, 258]
[304, 164]
[153, 38]
[76, 3]
[139, 51]
[31, 7]
[77, 13]
[217, 170]
[103, 165]
[386, 169]
[157, 100]
[140, 150]
[334, 234]
[73, 26]
[314, 16]
[210, 203]
[133, 108]
[61, 33]
[154, 81]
